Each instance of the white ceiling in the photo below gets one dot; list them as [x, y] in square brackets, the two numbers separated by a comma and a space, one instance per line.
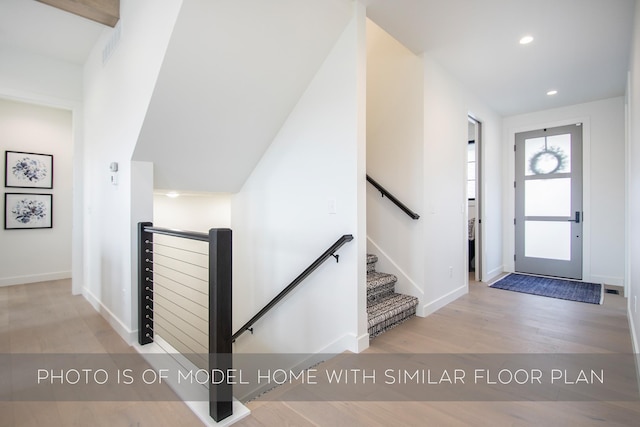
[581, 47]
[37, 28]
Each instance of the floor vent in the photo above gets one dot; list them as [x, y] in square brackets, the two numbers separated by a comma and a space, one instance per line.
[612, 291]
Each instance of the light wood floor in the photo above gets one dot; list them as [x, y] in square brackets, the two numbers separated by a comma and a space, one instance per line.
[46, 318]
[484, 321]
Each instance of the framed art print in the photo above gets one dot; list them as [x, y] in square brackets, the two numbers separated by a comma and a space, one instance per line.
[27, 210]
[28, 170]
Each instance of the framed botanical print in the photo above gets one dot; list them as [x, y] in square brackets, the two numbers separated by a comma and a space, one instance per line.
[28, 210]
[28, 170]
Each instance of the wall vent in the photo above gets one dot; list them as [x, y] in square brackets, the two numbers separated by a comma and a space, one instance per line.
[112, 44]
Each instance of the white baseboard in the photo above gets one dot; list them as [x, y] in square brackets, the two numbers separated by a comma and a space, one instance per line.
[607, 280]
[129, 336]
[490, 275]
[634, 342]
[34, 278]
[436, 305]
[347, 342]
[632, 329]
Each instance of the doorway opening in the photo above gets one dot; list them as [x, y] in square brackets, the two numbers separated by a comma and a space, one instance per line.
[474, 199]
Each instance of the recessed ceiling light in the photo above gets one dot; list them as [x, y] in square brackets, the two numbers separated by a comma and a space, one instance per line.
[526, 40]
[552, 92]
[173, 194]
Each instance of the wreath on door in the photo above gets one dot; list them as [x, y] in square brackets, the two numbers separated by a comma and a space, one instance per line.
[547, 161]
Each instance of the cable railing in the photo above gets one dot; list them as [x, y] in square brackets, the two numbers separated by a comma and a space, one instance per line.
[184, 294]
[394, 200]
[331, 252]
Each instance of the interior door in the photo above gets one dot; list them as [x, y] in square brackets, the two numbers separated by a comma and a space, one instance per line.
[549, 216]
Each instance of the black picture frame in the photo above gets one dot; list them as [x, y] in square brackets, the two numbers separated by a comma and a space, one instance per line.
[28, 170]
[23, 211]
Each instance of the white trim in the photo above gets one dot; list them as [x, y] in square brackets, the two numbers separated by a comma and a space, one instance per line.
[509, 197]
[347, 341]
[436, 305]
[627, 185]
[34, 278]
[127, 334]
[77, 232]
[634, 342]
[494, 273]
[200, 407]
[406, 285]
[607, 280]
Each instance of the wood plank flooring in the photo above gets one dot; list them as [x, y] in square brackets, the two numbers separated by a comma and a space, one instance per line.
[484, 321]
[45, 318]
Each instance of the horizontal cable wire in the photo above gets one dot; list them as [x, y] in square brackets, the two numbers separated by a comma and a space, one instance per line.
[182, 296]
[177, 259]
[206, 332]
[177, 283]
[161, 326]
[177, 271]
[165, 333]
[180, 249]
[178, 328]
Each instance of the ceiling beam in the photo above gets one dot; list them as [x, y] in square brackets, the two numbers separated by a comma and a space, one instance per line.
[106, 12]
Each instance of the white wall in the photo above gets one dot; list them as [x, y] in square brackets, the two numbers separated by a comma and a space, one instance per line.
[40, 254]
[395, 158]
[232, 73]
[192, 211]
[116, 97]
[633, 188]
[281, 221]
[447, 107]
[29, 76]
[179, 310]
[604, 182]
[45, 81]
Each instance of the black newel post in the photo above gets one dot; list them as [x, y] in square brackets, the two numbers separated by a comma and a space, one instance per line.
[220, 344]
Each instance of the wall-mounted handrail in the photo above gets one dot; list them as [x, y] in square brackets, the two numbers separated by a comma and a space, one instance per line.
[326, 255]
[391, 197]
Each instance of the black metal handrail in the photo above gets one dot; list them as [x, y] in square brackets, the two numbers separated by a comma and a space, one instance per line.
[391, 197]
[220, 316]
[328, 253]
[191, 235]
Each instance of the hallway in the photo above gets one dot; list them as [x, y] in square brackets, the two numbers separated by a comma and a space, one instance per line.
[45, 318]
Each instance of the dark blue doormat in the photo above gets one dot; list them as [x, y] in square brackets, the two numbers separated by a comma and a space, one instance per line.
[551, 287]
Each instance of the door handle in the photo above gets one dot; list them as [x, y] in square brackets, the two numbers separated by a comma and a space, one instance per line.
[577, 219]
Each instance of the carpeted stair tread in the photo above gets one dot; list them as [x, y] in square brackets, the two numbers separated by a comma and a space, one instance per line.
[380, 285]
[389, 312]
[371, 262]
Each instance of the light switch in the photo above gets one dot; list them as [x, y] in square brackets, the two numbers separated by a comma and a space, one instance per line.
[331, 206]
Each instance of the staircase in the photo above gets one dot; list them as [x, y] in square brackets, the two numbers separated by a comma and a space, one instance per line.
[385, 308]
